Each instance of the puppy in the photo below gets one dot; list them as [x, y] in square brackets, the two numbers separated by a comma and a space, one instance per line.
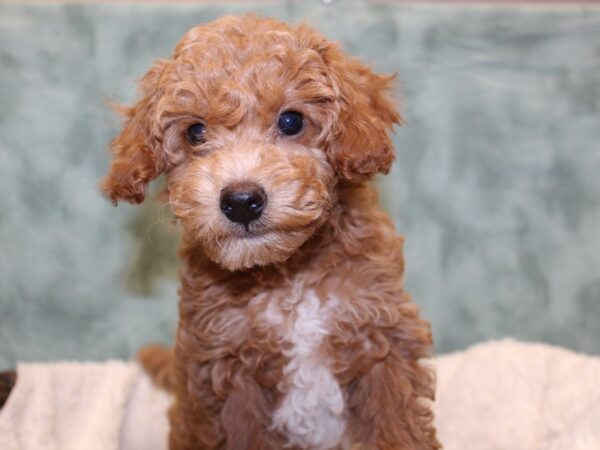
[295, 330]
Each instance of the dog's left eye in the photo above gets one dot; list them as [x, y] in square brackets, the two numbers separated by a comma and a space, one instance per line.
[290, 123]
[196, 133]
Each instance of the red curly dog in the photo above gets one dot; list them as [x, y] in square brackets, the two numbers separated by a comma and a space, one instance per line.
[295, 330]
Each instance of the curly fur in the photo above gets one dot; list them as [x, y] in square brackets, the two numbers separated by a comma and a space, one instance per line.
[295, 332]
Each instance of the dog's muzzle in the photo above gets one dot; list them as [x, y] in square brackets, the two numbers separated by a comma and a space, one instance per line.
[243, 202]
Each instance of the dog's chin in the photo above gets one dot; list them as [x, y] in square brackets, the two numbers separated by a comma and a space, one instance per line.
[242, 252]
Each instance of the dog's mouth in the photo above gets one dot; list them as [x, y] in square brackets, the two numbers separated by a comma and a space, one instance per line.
[251, 230]
[258, 229]
[261, 242]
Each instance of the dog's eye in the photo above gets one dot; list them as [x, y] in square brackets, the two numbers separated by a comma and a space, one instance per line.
[290, 123]
[196, 133]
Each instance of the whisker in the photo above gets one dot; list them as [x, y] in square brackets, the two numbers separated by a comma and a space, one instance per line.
[160, 219]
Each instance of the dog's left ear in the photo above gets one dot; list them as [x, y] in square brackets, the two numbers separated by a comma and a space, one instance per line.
[359, 144]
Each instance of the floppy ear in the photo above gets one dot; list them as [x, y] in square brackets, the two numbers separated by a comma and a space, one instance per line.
[359, 145]
[137, 150]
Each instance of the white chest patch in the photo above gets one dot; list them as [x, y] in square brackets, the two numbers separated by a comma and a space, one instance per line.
[311, 414]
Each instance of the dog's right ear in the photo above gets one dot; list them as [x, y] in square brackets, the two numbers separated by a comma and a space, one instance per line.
[137, 151]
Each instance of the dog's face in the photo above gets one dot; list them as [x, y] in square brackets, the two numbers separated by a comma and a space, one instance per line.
[254, 123]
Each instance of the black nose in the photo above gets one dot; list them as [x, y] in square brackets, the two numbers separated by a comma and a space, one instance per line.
[243, 202]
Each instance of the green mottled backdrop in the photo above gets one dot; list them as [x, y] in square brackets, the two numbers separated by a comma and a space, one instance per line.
[497, 183]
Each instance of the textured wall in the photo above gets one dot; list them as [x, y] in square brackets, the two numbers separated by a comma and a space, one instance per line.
[496, 186]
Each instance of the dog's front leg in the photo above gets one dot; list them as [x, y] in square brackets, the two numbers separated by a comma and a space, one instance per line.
[237, 419]
[389, 407]
[246, 417]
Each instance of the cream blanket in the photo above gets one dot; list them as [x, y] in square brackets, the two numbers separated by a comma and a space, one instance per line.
[499, 395]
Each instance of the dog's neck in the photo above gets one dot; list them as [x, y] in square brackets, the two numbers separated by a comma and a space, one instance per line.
[341, 238]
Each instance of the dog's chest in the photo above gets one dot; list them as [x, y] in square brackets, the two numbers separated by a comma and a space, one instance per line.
[311, 412]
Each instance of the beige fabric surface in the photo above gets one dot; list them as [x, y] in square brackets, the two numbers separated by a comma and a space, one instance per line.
[84, 406]
[509, 395]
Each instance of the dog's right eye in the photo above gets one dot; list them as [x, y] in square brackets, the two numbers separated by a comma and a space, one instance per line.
[290, 123]
[196, 133]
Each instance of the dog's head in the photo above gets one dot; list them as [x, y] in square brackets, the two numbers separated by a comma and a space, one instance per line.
[253, 122]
